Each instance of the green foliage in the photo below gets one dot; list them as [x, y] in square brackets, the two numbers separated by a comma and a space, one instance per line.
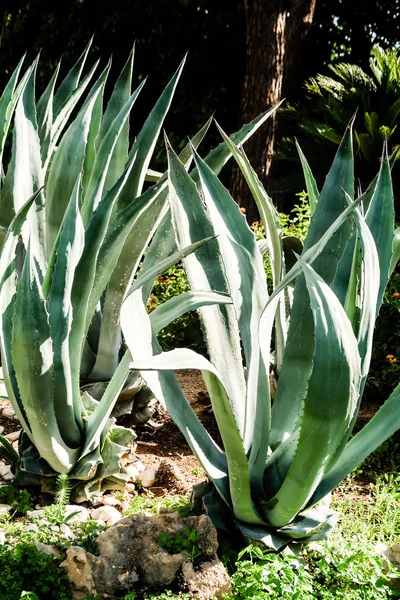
[185, 331]
[185, 542]
[148, 504]
[385, 363]
[327, 572]
[24, 568]
[20, 500]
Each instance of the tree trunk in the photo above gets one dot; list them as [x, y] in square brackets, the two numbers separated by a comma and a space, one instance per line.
[276, 31]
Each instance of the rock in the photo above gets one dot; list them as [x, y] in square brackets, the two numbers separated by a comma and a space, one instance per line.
[130, 488]
[78, 566]
[110, 501]
[132, 472]
[108, 514]
[47, 549]
[139, 466]
[82, 513]
[5, 471]
[211, 581]
[35, 514]
[8, 412]
[30, 527]
[1, 429]
[66, 531]
[170, 476]
[2, 537]
[15, 445]
[390, 556]
[5, 509]
[13, 436]
[129, 558]
[147, 478]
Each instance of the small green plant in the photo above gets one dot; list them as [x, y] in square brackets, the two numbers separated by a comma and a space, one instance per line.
[24, 568]
[185, 542]
[150, 504]
[55, 513]
[20, 500]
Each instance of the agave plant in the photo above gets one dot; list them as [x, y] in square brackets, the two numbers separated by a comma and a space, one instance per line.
[78, 225]
[273, 475]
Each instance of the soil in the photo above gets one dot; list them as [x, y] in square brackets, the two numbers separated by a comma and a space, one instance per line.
[167, 444]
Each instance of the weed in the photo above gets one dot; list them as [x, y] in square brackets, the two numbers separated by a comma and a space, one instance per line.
[185, 542]
[20, 500]
[151, 505]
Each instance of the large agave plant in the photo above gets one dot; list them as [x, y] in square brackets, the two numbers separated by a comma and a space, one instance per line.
[78, 224]
[276, 468]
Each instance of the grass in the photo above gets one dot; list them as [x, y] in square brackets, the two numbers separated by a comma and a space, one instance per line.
[345, 567]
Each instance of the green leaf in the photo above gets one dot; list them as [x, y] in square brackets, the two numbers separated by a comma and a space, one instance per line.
[382, 425]
[177, 306]
[311, 184]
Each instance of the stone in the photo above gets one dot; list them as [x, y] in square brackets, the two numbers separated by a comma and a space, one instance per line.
[110, 501]
[130, 559]
[82, 513]
[35, 514]
[211, 581]
[2, 537]
[147, 478]
[30, 527]
[49, 550]
[139, 465]
[66, 531]
[132, 472]
[130, 488]
[5, 509]
[15, 445]
[108, 514]
[13, 436]
[390, 556]
[78, 566]
[8, 476]
[8, 412]
[1, 429]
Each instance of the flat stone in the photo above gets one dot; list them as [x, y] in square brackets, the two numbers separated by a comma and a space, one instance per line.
[8, 476]
[30, 527]
[13, 436]
[8, 412]
[15, 445]
[49, 550]
[108, 514]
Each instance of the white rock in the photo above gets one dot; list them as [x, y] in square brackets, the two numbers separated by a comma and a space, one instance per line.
[5, 509]
[15, 445]
[82, 512]
[1, 429]
[125, 506]
[8, 412]
[110, 501]
[130, 488]
[35, 514]
[139, 466]
[147, 478]
[13, 436]
[108, 514]
[30, 527]
[132, 472]
[2, 537]
[8, 476]
[66, 531]
[4, 469]
[43, 522]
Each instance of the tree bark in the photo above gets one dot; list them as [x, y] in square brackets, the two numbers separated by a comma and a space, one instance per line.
[276, 31]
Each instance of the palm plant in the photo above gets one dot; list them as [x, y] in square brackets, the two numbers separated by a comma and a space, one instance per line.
[271, 479]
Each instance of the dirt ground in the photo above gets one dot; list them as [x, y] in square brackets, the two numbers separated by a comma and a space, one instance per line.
[168, 444]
